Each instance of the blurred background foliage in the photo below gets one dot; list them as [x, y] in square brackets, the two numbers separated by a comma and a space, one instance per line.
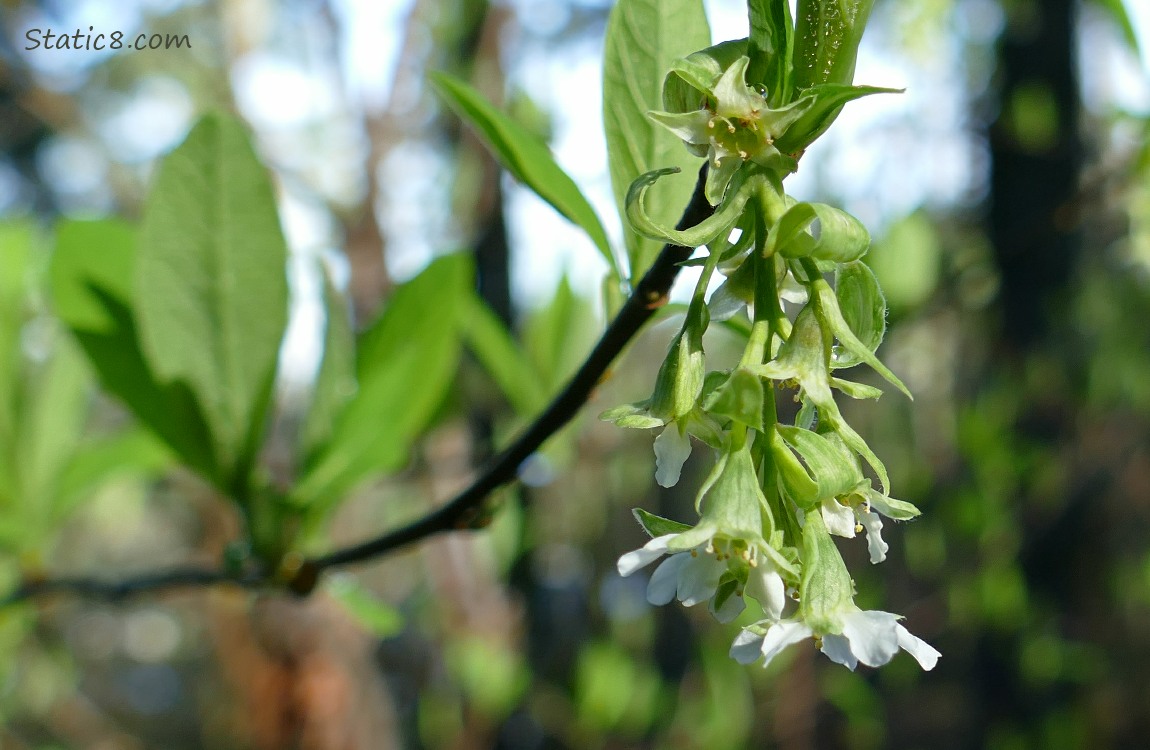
[1009, 193]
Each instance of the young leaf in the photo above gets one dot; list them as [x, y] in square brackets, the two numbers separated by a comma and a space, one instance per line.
[828, 33]
[211, 288]
[91, 282]
[335, 381]
[406, 362]
[528, 160]
[644, 38]
[771, 48]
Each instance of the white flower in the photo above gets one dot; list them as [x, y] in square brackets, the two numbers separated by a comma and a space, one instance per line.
[693, 576]
[672, 449]
[867, 636]
[847, 520]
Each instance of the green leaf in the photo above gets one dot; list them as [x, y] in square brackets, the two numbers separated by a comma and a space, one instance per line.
[828, 33]
[211, 286]
[133, 452]
[856, 390]
[1117, 11]
[55, 410]
[528, 160]
[502, 357]
[377, 617]
[644, 38]
[657, 525]
[406, 363]
[771, 48]
[91, 274]
[863, 308]
[335, 382]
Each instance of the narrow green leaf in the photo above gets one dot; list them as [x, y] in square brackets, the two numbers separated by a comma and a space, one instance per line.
[211, 285]
[91, 274]
[771, 49]
[644, 38]
[133, 452]
[657, 525]
[528, 160]
[376, 616]
[863, 308]
[406, 363]
[502, 357]
[55, 409]
[335, 382]
[817, 109]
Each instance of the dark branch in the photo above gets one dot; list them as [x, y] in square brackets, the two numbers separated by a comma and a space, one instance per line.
[462, 511]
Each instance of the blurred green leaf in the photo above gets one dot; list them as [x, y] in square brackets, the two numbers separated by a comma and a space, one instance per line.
[644, 37]
[528, 160]
[492, 675]
[502, 357]
[657, 525]
[376, 616]
[97, 460]
[405, 364]
[91, 282]
[211, 286]
[335, 382]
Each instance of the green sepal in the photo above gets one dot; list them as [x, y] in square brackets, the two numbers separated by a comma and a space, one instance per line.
[636, 416]
[841, 238]
[729, 211]
[656, 526]
[863, 307]
[795, 482]
[835, 470]
[680, 378]
[827, 307]
[826, 588]
[740, 398]
[692, 78]
[898, 510]
[819, 107]
[856, 390]
[731, 503]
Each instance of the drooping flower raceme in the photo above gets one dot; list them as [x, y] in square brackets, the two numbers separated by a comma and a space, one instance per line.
[778, 490]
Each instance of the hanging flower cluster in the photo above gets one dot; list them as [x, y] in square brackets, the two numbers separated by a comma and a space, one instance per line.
[777, 492]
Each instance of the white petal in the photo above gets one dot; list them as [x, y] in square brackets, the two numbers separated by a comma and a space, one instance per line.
[925, 654]
[784, 634]
[838, 649]
[663, 584]
[699, 579]
[765, 586]
[873, 525]
[644, 556]
[732, 608]
[840, 519]
[671, 451]
[872, 635]
[747, 647]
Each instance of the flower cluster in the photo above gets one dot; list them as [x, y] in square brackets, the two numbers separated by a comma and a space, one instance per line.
[777, 492]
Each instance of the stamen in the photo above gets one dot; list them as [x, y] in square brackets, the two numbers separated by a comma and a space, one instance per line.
[858, 528]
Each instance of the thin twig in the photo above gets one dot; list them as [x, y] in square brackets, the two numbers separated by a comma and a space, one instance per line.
[460, 512]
